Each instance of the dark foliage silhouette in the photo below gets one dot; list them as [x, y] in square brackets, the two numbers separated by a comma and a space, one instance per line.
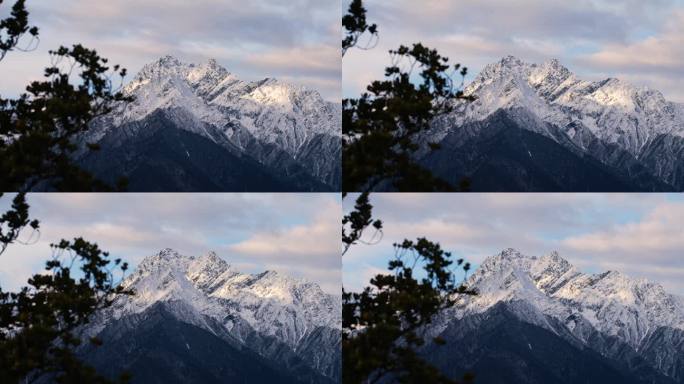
[38, 128]
[380, 128]
[382, 324]
[39, 324]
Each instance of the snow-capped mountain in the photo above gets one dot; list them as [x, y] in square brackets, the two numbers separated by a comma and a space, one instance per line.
[609, 313]
[613, 110]
[270, 313]
[611, 302]
[287, 129]
[627, 129]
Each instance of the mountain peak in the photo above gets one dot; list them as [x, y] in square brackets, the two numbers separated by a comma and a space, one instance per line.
[507, 68]
[515, 254]
[555, 256]
[163, 67]
[612, 274]
[211, 258]
[554, 63]
[555, 66]
[168, 253]
[210, 69]
[511, 61]
[503, 262]
[556, 259]
[269, 273]
[511, 253]
[211, 255]
[168, 60]
[552, 260]
[275, 277]
[163, 259]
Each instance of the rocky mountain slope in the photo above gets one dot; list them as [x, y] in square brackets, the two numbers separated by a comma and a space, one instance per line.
[289, 323]
[622, 320]
[633, 133]
[288, 131]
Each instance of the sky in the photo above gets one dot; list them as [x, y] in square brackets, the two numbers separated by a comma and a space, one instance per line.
[297, 234]
[295, 40]
[634, 40]
[641, 235]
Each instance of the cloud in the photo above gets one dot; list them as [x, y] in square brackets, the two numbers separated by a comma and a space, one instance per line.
[317, 241]
[656, 59]
[641, 235]
[303, 229]
[236, 33]
[659, 233]
[304, 61]
[497, 18]
[595, 38]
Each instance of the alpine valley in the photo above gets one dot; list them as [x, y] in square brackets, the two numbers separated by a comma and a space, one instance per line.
[541, 128]
[200, 128]
[198, 320]
[540, 320]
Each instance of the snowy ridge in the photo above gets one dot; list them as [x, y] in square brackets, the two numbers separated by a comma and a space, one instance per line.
[271, 303]
[614, 111]
[208, 100]
[268, 108]
[613, 303]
